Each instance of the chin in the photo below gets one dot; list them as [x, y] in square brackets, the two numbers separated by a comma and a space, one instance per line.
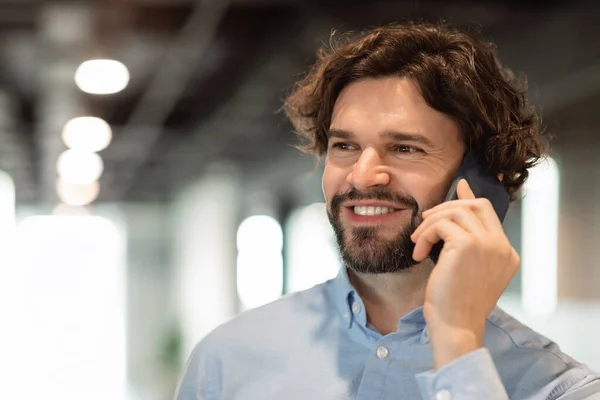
[358, 234]
[368, 251]
[375, 249]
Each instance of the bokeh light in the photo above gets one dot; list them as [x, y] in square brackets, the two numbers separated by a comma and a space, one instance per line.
[259, 261]
[87, 133]
[77, 195]
[79, 167]
[102, 76]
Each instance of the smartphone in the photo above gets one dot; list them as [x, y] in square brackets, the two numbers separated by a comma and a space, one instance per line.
[483, 183]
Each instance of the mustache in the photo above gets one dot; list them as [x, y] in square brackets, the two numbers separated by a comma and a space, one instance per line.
[381, 194]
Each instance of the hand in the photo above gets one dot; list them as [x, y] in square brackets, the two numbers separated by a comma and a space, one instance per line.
[476, 264]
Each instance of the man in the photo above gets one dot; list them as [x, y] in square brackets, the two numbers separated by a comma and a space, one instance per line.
[394, 112]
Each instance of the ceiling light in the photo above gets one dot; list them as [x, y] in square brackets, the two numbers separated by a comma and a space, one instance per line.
[77, 195]
[102, 76]
[79, 167]
[87, 133]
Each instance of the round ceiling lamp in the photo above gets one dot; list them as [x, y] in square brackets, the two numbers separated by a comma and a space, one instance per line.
[87, 134]
[102, 76]
[79, 167]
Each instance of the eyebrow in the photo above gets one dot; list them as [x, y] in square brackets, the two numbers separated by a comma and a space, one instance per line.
[393, 135]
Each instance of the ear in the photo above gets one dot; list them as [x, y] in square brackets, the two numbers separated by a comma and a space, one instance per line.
[500, 176]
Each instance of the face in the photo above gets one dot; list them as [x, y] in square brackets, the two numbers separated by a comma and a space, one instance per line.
[389, 157]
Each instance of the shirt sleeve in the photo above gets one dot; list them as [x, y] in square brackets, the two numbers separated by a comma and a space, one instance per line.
[190, 385]
[587, 388]
[470, 377]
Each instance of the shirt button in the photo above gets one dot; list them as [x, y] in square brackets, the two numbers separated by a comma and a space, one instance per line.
[382, 352]
[355, 308]
[443, 395]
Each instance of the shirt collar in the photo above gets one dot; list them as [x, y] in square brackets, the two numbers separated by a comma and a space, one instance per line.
[352, 309]
[343, 293]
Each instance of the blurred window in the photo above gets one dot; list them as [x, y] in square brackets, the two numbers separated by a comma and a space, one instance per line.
[7, 208]
[312, 255]
[259, 261]
[540, 239]
[63, 307]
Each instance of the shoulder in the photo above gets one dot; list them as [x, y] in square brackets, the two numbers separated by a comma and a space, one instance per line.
[261, 329]
[508, 333]
[261, 342]
[527, 360]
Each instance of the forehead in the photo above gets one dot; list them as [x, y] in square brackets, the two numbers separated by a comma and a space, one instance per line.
[387, 104]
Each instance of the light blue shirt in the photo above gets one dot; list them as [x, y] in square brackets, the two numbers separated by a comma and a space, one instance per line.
[317, 345]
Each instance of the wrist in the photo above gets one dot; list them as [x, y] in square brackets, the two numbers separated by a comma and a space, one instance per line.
[450, 343]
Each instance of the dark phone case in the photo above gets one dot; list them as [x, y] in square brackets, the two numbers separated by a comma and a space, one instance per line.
[484, 184]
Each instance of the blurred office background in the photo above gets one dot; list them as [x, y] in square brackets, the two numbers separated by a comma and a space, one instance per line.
[179, 201]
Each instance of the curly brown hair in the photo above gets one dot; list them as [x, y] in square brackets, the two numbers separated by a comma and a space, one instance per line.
[457, 74]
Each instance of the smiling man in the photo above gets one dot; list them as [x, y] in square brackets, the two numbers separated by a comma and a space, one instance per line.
[394, 111]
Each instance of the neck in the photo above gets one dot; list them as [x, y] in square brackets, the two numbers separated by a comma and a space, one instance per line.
[388, 297]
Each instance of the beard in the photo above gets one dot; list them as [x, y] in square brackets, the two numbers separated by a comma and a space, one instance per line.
[362, 248]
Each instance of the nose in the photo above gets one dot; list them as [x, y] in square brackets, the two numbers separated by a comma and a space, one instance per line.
[369, 171]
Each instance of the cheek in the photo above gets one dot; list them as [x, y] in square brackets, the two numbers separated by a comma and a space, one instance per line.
[427, 190]
[333, 181]
[436, 195]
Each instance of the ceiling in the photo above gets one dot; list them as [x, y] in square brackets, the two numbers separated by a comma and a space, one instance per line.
[208, 78]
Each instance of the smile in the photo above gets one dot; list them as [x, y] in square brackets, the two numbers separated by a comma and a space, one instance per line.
[373, 210]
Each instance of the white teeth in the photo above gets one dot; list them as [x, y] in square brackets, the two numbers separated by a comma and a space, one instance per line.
[373, 210]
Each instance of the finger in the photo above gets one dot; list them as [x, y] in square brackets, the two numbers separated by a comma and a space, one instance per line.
[444, 229]
[464, 191]
[482, 208]
[470, 203]
[463, 216]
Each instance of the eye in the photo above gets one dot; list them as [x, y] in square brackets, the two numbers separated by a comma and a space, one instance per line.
[402, 148]
[343, 146]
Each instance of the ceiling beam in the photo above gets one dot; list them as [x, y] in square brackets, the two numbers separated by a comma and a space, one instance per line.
[167, 86]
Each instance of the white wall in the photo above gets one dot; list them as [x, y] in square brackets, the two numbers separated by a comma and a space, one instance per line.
[204, 224]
